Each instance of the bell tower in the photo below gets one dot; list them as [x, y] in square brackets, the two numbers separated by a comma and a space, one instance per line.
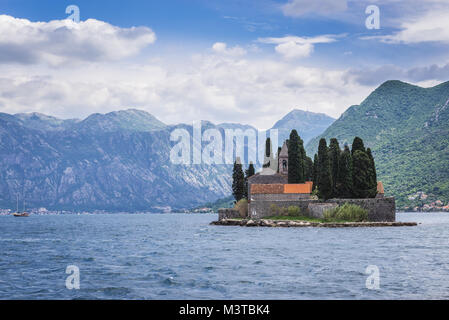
[283, 159]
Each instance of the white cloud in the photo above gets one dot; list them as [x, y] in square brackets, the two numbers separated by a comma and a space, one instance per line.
[297, 8]
[426, 25]
[222, 48]
[215, 87]
[433, 27]
[291, 47]
[375, 76]
[224, 84]
[60, 41]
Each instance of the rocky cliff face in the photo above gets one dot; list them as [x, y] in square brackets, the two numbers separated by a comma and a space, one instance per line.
[88, 167]
[116, 161]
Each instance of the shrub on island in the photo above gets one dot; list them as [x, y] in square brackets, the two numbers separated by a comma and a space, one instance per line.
[294, 211]
[242, 207]
[291, 211]
[347, 212]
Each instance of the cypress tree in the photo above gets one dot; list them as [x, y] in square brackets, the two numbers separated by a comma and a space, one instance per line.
[251, 171]
[334, 157]
[267, 153]
[308, 176]
[248, 173]
[268, 147]
[277, 157]
[245, 189]
[324, 171]
[302, 160]
[361, 175]
[357, 144]
[295, 167]
[238, 181]
[315, 171]
[344, 179]
[373, 174]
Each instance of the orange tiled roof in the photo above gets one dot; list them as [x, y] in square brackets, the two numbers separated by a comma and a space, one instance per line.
[298, 188]
[380, 187]
[276, 188]
[267, 188]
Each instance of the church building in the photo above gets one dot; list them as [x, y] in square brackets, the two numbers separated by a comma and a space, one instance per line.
[272, 182]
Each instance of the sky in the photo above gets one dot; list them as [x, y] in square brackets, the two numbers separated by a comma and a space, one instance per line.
[224, 61]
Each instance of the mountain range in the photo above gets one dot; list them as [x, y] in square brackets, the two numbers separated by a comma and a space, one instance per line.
[307, 124]
[117, 161]
[407, 128]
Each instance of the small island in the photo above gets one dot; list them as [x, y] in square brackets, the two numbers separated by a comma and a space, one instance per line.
[339, 188]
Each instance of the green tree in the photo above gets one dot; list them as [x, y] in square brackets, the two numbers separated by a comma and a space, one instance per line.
[357, 144]
[334, 157]
[238, 181]
[251, 171]
[268, 147]
[308, 176]
[324, 171]
[315, 170]
[361, 175]
[295, 159]
[277, 157]
[248, 173]
[373, 174]
[302, 160]
[268, 155]
[344, 178]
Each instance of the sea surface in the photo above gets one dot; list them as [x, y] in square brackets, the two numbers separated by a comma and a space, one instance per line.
[181, 256]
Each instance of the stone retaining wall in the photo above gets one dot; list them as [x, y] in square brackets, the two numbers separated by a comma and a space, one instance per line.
[379, 209]
[259, 209]
[228, 214]
[383, 209]
[317, 210]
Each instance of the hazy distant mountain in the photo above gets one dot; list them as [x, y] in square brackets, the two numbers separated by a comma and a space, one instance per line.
[132, 119]
[43, 122]
[103, 162]
[120, 160]
[407, 128]
[114, 161]
[235, 126]
[308, 124]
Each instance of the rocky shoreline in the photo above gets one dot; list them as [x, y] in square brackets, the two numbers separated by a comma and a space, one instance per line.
[298, 224]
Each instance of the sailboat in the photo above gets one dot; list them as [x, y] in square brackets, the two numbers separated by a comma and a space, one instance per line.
[18, 213]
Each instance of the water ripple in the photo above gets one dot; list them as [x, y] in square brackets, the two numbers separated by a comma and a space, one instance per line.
[178, 256]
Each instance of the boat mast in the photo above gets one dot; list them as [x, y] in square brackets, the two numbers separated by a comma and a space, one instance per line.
[17, 206]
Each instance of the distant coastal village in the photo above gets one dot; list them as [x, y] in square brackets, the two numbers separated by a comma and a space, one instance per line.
[424, 205]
